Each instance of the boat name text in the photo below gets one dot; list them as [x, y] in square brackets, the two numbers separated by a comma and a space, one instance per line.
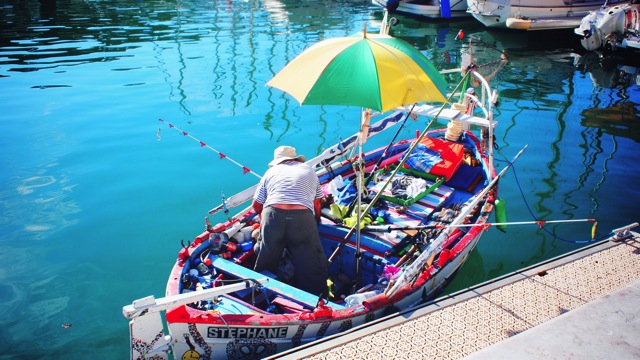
[250, 332]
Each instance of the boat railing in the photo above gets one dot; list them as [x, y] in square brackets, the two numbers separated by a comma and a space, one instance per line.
[150, 304]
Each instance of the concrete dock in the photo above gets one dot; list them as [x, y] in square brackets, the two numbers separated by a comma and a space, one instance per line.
[582, 305]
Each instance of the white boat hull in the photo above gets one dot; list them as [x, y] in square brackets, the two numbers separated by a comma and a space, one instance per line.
[426, 9]
[495, 13]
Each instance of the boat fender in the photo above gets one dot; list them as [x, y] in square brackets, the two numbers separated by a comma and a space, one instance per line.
[392, 5]
[238, 237]
[231, 231]
[246, 233]
[445, 256]
[200, 238]
[322, 311]
[501, 214]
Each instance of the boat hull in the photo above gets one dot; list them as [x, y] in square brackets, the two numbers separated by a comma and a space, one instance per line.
[425, 9]
[495, 13]
[261, 338]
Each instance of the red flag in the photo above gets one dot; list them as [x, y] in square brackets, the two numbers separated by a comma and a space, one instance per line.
[460, 34]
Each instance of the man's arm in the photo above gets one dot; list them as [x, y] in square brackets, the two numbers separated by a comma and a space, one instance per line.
[257, 206]
[316, 208]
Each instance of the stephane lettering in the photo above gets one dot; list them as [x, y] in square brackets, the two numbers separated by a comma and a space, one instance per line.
[247, 332]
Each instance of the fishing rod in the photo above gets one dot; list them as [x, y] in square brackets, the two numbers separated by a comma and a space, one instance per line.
[203, 144]
[540, 223]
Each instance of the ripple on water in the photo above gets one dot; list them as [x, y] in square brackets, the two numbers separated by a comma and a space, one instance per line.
[30, 184]
[11, 298]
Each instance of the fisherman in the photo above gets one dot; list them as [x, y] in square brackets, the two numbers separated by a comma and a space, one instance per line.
[288, 199]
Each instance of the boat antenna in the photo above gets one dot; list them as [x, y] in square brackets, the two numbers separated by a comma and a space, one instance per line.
[203, 144]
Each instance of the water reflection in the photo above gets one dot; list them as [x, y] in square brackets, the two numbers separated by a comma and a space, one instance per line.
[608, 71]
[615, 112]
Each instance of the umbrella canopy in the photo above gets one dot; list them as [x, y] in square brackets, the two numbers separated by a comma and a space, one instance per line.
[373, 71]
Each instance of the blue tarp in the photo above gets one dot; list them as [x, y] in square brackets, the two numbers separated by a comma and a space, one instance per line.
[422, 158]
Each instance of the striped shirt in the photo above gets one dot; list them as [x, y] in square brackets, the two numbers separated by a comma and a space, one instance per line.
[290, 182]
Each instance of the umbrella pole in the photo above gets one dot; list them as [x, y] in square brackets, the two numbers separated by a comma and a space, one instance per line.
[384, 155]
[356, 281]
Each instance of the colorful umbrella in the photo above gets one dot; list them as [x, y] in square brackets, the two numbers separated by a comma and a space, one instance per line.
[372, 71]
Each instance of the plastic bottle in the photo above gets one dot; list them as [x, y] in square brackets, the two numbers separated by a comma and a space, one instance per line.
[358, 298]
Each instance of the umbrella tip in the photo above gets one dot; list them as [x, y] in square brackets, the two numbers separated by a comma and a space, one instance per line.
[365, 30]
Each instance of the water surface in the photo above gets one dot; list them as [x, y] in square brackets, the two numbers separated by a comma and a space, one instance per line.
[96, 194]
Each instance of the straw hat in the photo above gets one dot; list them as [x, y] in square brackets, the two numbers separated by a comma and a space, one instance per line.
[284, 153]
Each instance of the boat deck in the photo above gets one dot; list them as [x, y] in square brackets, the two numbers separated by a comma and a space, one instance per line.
[585, 304]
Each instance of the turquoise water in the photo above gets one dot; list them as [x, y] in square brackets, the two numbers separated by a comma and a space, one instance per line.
[96, 194]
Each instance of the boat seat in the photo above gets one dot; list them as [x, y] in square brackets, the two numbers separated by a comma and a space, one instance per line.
[282, 289]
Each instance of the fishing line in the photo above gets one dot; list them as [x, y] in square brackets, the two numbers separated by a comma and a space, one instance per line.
[203, 144]
[541, 222]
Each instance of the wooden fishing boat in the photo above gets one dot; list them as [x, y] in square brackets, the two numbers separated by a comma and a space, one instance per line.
[430, 9]
[533, 14]
[422, 220]
[397, 223]
[611, 27]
